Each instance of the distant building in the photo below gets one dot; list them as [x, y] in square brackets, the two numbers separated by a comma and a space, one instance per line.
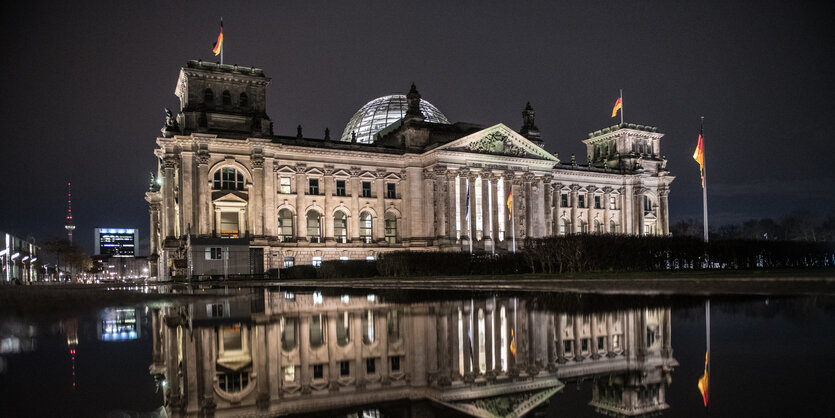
[19, 259]
[121, 268]
[399, 177]
[116, 242]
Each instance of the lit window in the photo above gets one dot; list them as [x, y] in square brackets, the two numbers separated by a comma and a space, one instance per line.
[343, 329]
[597, 228]
[365, 227]
[391, 191]
[290, 373]
[285, 225]
[612, 228]
[346, 298]
[393, 324]
[318, 298]
[233, 382]
[369, 258]
[340, 187]
[563, 226]
[391, 228]
[289, 295]
[228, 178]
[372, 298]
[229, 225]
[612, 203]
[584, 345]
[368, 327]
[284, 187]
[344, 258]
[647, 204]
[289, 262]
[313, 227]
[317, 261]
[340, 227]
[616, 342]
[214, 253]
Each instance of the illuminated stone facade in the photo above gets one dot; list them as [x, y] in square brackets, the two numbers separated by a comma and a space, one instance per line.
[277, 353]
[299, 200]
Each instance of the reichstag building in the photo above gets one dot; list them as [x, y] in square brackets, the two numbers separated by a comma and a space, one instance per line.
[397, 178]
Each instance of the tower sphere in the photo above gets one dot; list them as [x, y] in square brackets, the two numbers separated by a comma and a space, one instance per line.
[382, 112]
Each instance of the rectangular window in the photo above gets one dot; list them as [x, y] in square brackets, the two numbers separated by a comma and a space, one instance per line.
[612, 203]
[289, 373]
[340, 187]
[370, 367]
[313, 189]
[601, 341]
[391, 191]
[289, 262]
[317, 261]
[284, 185]
[344, 368]
[584, 345]
[366, 189]
[564, 200]
[568, 345]
[216, 310]
[581, 201]
[616, 342]
[395, 364]
[597, 204]
[318, 371]
[213, 253]
[229, 224]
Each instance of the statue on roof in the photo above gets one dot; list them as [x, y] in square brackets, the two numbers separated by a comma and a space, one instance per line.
[171, 126]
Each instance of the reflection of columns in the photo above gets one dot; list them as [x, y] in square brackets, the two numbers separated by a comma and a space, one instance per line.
[274, 364]
[593, 332]
[207, 371]
[304, 352]
[422, 358]
[578, 352]
[467, 337]
[382, 333]
[489, 313]
[356, 336]
[444, 361]
[260, 347]
[666, 329]
[497, 326]
[550, 338]
[610, 349]
[333, 369]
[452, 342]
[641, 333]
[560, 325]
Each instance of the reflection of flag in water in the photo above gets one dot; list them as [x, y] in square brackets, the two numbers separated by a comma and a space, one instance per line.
[470, 341]
[512, 343]
[467, 215]
[510, 205]
[704, 379]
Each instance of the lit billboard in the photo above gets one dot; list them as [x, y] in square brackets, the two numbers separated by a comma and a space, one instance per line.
[116, 242]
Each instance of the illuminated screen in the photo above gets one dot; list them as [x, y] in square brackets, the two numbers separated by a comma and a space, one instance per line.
[117, 242]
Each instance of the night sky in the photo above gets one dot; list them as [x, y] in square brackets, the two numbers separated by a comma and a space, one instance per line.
[85, 85]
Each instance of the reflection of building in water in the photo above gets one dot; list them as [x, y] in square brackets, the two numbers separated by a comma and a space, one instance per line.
[118, 324]
[287, 353]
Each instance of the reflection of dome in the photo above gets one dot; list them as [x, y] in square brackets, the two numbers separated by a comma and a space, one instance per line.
[382, 112]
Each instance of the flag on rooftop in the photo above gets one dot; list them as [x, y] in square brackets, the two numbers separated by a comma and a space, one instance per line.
[217, 47]
[699, 156]
[618, 106]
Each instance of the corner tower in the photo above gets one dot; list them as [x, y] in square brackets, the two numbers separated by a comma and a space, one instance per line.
[222, 99]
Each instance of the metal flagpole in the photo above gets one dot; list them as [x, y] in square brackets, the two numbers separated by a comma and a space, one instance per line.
[704, 176]
[621, 100]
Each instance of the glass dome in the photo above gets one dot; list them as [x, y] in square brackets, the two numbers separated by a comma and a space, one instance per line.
[382, 112]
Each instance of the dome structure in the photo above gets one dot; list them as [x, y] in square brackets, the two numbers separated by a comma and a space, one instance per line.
[382, 112]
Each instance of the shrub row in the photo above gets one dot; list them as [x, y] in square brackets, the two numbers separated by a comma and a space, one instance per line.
[584, 253]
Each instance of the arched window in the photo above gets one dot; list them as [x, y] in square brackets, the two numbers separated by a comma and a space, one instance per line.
[228, 178]
[598, 229]
[564, 227]
[647, 204]
[244, 100]
[288, 328]
[391, 228]
[209, 97]
[612, 229]
[317, 331]
[365, 227]
[285, 225]
[343, 329]
[367, 327]
[226, 98]
[582, 227]
[314, 226]
[340, 227]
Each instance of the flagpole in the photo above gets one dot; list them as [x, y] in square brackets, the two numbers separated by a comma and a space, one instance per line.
[621, 104]
[704, 177]
[222, 42]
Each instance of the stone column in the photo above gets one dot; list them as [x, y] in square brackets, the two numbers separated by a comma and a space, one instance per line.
[628, 210]
[666, 342]
[256, 197]
[489, 334]
[417, 224]
[451, 178]
[607, 194]
[243, 226]
[380, 205]
[464, 180]
[327, 187]
[354, 190]
[187, 193]
[204, 198]
[639, 210]
[301, 189]
[472, 224]
[574, 225]
[169, 217]
[217, 222]
[442, 202]
[609, 327]
[663, 210]
[494, 207]
[430, 205]
[547, 205]
[269, 208]
[486, 210]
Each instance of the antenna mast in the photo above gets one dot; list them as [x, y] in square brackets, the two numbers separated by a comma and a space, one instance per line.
[69, 225]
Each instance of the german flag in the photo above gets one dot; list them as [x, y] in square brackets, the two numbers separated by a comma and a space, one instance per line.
[703, 381]
[618, 105]
[510, 205]
[512, 343]
[218, 46]
[699, 156]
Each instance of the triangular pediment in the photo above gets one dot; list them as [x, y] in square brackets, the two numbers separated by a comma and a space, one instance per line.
[499, 140]
[230, 197]
[509, 400]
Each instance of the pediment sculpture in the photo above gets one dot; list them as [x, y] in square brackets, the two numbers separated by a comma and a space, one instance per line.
[496, 143]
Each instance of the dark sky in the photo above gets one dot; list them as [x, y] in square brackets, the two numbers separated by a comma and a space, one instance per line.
[85, 84]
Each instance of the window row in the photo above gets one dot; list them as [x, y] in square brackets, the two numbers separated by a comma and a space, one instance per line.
[225, 98]
[313, 225]
[314, 188]
[583, 227]
[583, 203]
[290, 330]
[318, 370]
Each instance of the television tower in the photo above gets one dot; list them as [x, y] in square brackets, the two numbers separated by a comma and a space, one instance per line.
[69, 226]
